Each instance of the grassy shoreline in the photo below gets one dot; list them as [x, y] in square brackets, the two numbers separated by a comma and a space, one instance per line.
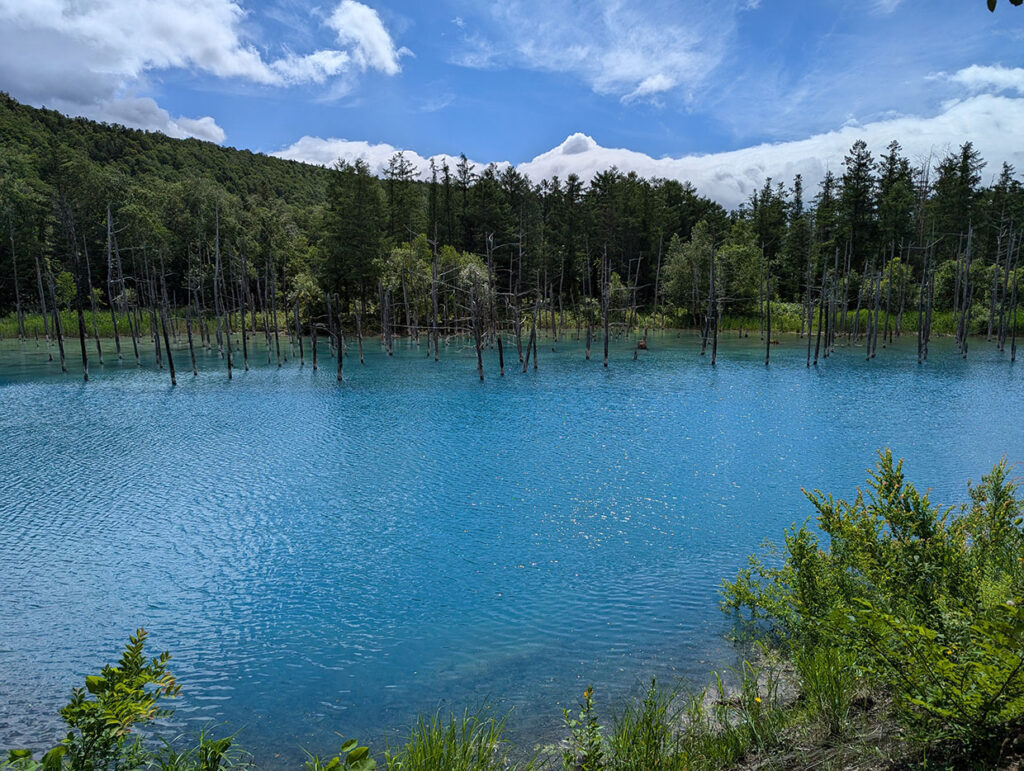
[787, 318]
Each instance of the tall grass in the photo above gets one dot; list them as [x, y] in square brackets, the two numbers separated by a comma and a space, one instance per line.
[472, 741]
[645, 736]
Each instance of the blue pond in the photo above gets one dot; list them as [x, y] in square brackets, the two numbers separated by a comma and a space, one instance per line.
[325, 558]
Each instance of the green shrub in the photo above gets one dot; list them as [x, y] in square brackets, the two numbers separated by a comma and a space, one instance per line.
[924, 600]
[584, 749]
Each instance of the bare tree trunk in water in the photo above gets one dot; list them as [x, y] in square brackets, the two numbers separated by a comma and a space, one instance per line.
[217, 299]
[712, 318]
[167, 344]
[188, 330]
[433, 297]
[92, 301]
[330, 326]
[273, 310]
[241, 299]
[110, 282]
[58, 324]
[1013, 337]
[339, 343]
[888, 295]
[298, 336]
[42, 306]
[80, 308]
[531, 344]
[768, 313]
[359, 338]
[227, 336]
[501, 356]
[477, 337]
[606, 290]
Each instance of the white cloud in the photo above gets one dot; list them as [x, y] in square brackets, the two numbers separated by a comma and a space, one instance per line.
[990, 78]
[200, 128]
[885, 6]
[632, 51]
[91, 57]
[325, 152]
[360, 27]
[989, 121]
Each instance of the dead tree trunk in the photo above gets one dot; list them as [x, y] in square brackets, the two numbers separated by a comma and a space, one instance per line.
[298, 335]
[768, 313]
[359, 336]
[433, 297]
[188, 330]
[606, 291]
[477, 336]
[42, 305]
[58, 324]
[242, 281]
[273, 310]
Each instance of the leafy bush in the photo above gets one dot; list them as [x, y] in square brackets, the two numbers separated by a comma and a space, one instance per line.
[101, 717]
[924, 600]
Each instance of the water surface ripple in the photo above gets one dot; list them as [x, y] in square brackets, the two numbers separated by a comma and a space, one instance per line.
[324, 558]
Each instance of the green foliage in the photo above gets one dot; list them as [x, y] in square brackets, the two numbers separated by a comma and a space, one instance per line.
[470, 742]
[644, 736]
[207, 754]
[584, 750]
[828, 683]
[923, 600]
[351, 756]
[125, 695]
[721, 726]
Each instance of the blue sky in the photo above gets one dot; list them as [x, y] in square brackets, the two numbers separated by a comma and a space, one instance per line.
[712, 89]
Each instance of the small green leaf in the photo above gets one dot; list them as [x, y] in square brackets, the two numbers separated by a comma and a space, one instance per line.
[94, 684]
[357, 754]
[52, 760]
[19, 755]
[348, 746]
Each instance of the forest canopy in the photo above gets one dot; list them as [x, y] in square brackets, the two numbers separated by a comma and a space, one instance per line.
[73, 193]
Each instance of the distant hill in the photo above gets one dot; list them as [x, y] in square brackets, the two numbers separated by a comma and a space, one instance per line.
[36, 132]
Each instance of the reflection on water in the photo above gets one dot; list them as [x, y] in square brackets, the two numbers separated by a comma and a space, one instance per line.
[322, 557]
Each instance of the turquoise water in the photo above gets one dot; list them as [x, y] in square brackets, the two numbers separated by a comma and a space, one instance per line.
[322, 557]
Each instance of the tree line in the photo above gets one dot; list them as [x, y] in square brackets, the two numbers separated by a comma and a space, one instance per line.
[156, 231]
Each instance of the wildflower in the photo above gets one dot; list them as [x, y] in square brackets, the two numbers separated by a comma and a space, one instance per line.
[757, 699]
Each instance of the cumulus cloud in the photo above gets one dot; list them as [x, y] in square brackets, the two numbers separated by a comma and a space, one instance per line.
[730, 177]
[989, 121]
[91, 57]
[990, 78]
[360, 27]
[325, 152]
[144, 113]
